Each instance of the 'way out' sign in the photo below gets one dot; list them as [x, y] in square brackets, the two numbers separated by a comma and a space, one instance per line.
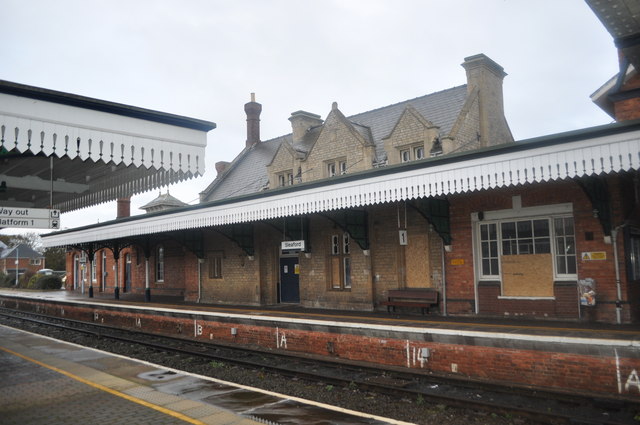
[31, 218]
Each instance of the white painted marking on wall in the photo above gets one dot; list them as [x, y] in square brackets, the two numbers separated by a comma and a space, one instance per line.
[408, 354]
[618, 371]
[95, 317]
[283, 341]
[632, 381]
[138, 322]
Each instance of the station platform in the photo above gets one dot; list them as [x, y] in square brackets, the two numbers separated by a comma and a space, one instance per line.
[44, 381]
[630, 332]
[594, 359]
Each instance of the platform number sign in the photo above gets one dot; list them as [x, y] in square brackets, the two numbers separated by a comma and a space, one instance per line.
[403, 237]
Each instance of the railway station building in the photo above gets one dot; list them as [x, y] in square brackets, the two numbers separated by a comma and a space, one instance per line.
[429, 194]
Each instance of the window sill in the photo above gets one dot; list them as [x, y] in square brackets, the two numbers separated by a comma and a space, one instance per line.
[527, 298]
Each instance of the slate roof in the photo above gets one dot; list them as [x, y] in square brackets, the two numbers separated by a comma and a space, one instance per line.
[441, 108]
[165, 201]
[248, 172]
[22, 250]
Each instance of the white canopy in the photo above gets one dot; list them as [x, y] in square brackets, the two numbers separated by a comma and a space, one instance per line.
[601, 150]
[101, 150]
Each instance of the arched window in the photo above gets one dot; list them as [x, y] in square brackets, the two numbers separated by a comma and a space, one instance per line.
[160, 264]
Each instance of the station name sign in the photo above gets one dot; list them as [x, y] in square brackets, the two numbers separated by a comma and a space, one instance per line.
[293, 245]
[30, 218]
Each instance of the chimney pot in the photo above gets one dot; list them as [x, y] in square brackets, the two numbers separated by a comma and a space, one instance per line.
[253, 110]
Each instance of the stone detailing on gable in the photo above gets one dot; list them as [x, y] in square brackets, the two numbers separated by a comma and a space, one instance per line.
[338, 143]
[411, 139]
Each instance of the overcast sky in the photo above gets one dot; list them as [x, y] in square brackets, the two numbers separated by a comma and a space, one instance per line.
[202, 59]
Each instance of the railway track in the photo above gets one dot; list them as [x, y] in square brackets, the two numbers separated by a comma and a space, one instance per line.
[536, 406]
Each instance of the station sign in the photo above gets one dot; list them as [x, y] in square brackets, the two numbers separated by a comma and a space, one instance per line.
[29, 218]
[293, 245]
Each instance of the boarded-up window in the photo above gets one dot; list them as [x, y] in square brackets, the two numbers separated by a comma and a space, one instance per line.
[527, 275]
[215, 267]
[527, 255]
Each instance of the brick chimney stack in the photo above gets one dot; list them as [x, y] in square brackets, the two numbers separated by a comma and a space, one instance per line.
[221, 167]
[486, 76]
[253, 110]
[124, 208]
[301, 122]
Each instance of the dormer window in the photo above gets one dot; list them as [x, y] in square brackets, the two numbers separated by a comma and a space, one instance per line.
[331, 169]
[285, 178]
[412, 153]
[336, 167]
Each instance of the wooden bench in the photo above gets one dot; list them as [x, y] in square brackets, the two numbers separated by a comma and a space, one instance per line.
[418, 297]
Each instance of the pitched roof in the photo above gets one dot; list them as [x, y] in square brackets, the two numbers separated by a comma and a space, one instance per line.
[248, 171]
[441, 108]
[21, 251]
[165, 201]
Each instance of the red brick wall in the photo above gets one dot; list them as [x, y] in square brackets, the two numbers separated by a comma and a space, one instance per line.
[565, 368]
[459, 262]
[628, 109]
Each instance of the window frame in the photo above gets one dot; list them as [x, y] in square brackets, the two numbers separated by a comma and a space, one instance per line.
[335, 167]
[94, 267]
[285, 178]
[160, 269]
[416, 149]
[632, 241]
[341, 250]
[216, 272]
[551, 219]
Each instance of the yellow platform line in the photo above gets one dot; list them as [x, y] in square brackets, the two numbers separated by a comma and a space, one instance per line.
[108, 390]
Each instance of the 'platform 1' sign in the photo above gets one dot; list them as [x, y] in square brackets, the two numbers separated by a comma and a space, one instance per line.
[31, 218]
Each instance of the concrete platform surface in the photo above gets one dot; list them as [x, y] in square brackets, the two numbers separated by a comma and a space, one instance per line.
[43, 381]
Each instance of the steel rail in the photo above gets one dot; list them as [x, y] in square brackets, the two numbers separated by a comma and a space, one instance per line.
[398, 383]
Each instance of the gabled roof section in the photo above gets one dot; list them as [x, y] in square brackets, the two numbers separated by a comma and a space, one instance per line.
[247, 172]
[413, 112]
[441, 108]
[21, 251]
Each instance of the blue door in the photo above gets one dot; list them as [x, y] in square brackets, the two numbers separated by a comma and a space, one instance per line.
[289, 280]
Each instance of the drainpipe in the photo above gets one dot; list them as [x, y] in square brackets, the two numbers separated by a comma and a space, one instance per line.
[200, 260]
[444, 283]
[614, 240]
[147, 287]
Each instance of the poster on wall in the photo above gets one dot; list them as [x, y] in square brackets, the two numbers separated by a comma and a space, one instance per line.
[587, 291]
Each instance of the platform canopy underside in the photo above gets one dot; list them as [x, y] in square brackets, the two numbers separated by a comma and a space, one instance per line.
[68, 152]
